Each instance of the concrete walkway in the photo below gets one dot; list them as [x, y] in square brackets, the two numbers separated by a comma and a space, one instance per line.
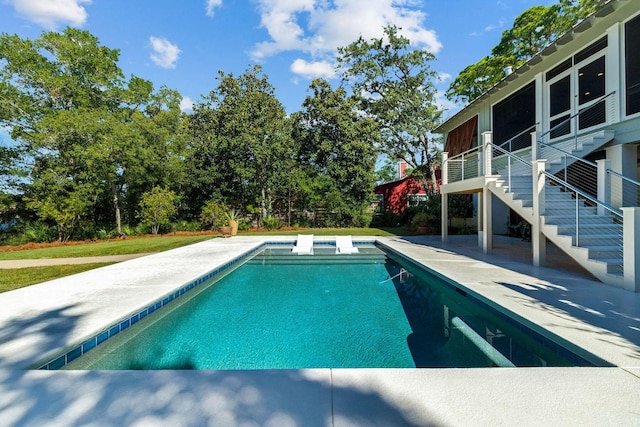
[46, 262]
[40, 320]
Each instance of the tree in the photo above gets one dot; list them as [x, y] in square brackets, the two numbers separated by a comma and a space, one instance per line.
[394, 85]
[240, 139]
[157, 207]
[338, 145]
[73, 112]
[532, 31]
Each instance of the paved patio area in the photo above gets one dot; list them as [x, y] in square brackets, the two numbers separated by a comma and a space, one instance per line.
[40, 320]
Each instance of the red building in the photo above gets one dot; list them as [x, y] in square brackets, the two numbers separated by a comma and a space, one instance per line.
[396, 196]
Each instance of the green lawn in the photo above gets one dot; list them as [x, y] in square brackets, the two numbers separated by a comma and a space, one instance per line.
[111, 247]
[14, 278]
[164, 243]
[17, 278]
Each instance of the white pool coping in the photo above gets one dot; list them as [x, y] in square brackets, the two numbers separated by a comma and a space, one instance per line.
[40, 320]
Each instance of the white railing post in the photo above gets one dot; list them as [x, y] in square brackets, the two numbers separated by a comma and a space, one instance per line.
[604, 184]
[631, 248]
[538, 241]
[534, 146]
[445, 168]
[486, 150]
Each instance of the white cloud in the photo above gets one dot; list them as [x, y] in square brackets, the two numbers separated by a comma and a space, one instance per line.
[450, 108]
[165, 54]
[51, 13]
[443, 77]
[186, 104]
[320, 27]
[312, 70]
[212, 4]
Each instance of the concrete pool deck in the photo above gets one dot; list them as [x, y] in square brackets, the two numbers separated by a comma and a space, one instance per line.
[41, 320]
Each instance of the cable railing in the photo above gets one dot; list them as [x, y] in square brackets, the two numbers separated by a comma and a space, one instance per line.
[569, 133]
[562, 162]
[521, 140]
[591, 223]
[509, 165]
[621, 190]
[464, 166]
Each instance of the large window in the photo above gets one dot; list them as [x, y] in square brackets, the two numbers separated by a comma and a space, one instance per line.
[578, 85]
[560, 106]
[515, 115]
[591, 87]
[632, 65]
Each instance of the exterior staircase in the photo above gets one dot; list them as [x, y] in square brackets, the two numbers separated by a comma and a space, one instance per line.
[577, 148]
[597, 246]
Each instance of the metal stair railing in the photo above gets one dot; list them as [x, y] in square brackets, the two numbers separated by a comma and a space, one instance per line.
[575, 170]
[509, 164]
[521, 140]
[591, 223]
[622, 191]
[575, 129]
[465, 165]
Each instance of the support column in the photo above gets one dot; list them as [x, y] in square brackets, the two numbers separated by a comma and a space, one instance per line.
[623, 160]
[538, 241]
[487, 232]
[487, 154]
[631, 248]
[485, 219]
[604, 184]
[444, 200]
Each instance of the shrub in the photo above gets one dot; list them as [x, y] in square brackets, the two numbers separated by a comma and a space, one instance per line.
[185, 225]
[157, 207]
[213, 214]
[272, 223]
[40, 232]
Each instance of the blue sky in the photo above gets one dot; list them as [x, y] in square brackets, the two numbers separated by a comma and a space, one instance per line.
[182, 44]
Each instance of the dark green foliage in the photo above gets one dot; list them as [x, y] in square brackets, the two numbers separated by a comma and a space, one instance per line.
[394, 85]
[532, 31]
[337, 148]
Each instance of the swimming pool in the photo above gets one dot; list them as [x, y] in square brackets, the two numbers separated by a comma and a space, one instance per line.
[374, 309]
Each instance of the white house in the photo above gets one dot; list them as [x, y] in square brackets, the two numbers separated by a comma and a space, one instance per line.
[557, 142]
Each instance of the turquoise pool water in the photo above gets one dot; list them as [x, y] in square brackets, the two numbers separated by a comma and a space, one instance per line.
[279, 311]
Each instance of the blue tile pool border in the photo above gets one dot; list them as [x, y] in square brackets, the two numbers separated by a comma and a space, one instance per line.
[60, 360]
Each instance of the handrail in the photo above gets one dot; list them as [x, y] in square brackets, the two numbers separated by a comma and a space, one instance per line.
[573, 116]
[528, 130]
[576, 190]
[464, 153]
[624, 178]
[510, 154]
[580, 159]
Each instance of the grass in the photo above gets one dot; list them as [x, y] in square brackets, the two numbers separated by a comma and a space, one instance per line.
[16, 278]
[112, 247]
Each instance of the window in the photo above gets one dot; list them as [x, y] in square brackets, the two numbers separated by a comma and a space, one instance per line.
[632, 65]
[515, 115]
[416, 199]
[591, 86]
[560, 107]
[583, 78]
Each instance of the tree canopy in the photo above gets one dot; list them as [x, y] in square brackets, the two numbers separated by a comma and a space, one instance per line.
[394, 85]
[92, 135]
[532, 31]
[95, 150]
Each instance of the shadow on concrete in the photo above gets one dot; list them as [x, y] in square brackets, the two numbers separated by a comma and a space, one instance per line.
[191, 398]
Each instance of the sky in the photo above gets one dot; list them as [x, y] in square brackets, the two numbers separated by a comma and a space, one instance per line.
[181, 44]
